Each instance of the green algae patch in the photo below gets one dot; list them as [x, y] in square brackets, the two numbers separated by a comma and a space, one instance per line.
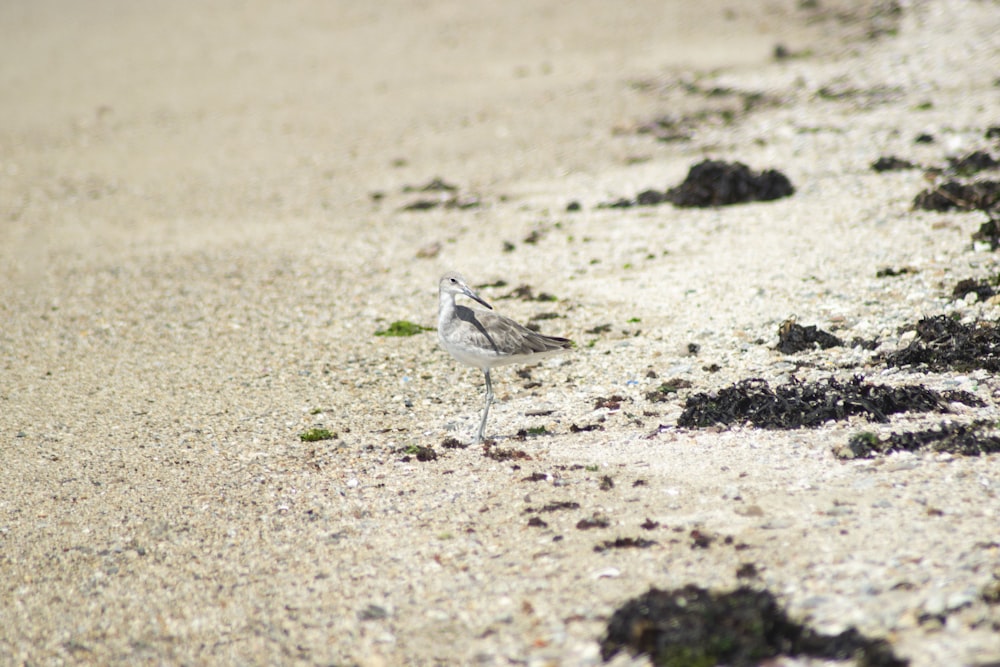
[316, 434]
[402, 328]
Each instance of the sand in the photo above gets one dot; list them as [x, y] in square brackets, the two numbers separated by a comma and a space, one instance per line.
[201, 231]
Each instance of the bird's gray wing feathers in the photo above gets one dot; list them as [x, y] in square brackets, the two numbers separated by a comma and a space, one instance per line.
[503, 335]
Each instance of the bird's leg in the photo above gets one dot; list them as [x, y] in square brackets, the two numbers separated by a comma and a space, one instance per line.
[486, 410]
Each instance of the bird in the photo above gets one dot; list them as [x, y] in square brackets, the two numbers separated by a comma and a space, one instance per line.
[485, 339]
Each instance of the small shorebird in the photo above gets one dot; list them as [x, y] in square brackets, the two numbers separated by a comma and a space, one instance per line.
[484, 339]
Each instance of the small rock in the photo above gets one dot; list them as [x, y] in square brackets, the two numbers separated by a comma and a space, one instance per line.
[935, 605]
[607, 573]
[958, 600]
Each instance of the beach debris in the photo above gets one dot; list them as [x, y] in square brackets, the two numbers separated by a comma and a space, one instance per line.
[892, 272]
[667, 390]
[573, 428]
[989, 231]
[625, 543]
[596, 521]
[438, 193]
[798, 404]
[715, 183]
[718, 183]
[611, 402]
[974, 439]
[982, 289]
[892, 163]
[420, 452]
[972, 163]
[741, 628]
[402, 328]
[943, 343]
[490, 451]
[793, 338]
[958, 196]
[555, 506]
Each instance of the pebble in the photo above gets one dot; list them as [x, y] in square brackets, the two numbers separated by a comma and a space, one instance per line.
[606, 573]
[960, 599]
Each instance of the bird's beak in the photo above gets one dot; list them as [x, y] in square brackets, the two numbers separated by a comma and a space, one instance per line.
[467, 291]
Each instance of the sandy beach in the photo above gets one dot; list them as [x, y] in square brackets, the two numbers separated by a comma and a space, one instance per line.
[207, 211]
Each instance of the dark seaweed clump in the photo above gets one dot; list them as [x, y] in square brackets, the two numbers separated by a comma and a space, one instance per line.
[625, 543]
[718, 183]
[989, 231]
[441, 194]
[954, 195]
[421, 452]
[667, 390]
[982, 289]
[972, 163]
[797, 404]
[692, 627]
[979, 437]
[892, 163]
[966, 165]
[794, 338]
[715, 183]
[944, 344]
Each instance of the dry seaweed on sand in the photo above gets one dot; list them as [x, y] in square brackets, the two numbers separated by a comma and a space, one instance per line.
[966, 165]
[554, 506]
[501, 454]
[421, 453]
[793, 337]
[693, 627]
[625, 543]
[954, 195]
[943, 343]
[982, 288]
[718, 183]
[441, 194]
[892, 163]
[436, 184]
[798, 404]
[454, 443]
[667, 390]
[975, 439]
[972, 163]
[715, 183]
[989, 231]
